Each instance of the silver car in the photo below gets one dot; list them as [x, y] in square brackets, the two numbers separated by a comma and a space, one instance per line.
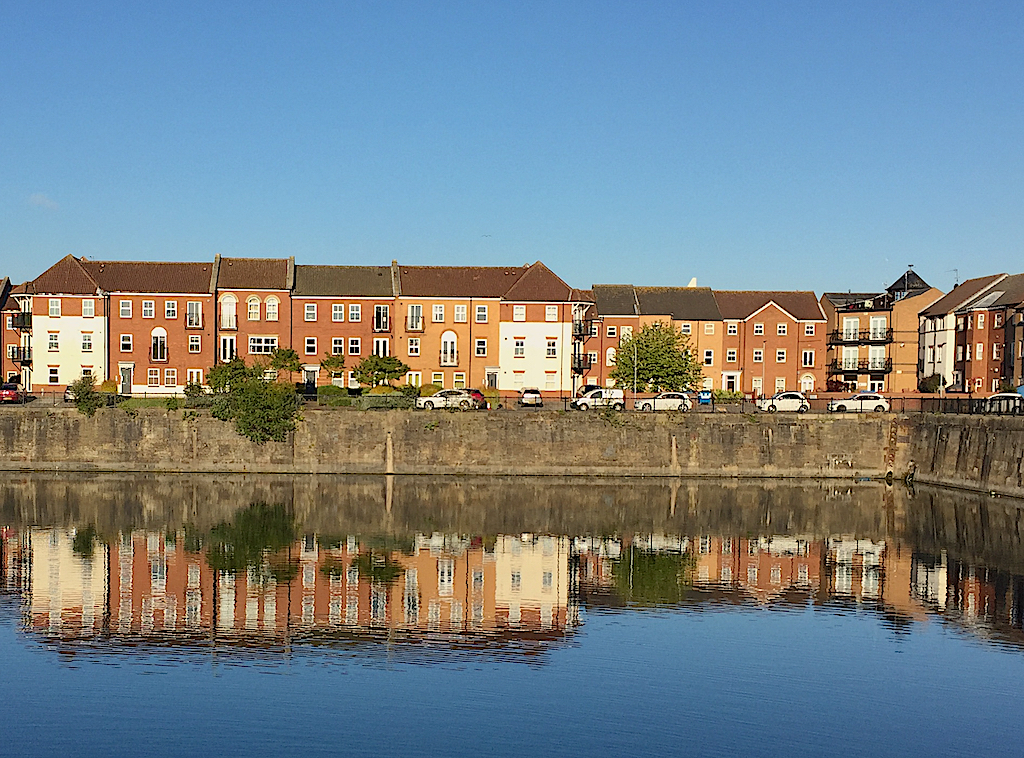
[784, 401]
[1005, 402]
[460, 399]
[859, 403]
[666, 401]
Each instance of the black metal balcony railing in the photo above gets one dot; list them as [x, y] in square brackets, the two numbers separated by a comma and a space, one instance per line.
[381, 325]
[582, 329]
[21, 355]
[870, 366]
[863, 336]
[581, 363]
[414, 325]
[449, 358]
[193, 321]
[21, 321]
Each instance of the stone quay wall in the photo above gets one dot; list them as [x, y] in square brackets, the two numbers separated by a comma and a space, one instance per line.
[980, 453]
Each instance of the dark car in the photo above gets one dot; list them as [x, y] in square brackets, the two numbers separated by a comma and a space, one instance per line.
[11, 393]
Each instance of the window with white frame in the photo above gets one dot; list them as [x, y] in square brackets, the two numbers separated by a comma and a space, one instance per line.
[481, 348]
[381, 346]
[309, 312]
[519, 348]
[252, 306]
[54, 307]
[88, 308]
[337, 346]
[414, 378]
[86, 342]
[148, 309]
[437, 313]
[709, 357]
[759, 356]
[437, 378]
[550, 380]
[158, 351]
[354, 346]
[730, 355]
[355, 312]
[126, 308]
[808, 330]
[414, 317]
[709, 328]
[611, 332]
[609, 357]
[551, 351]
[592, 359]
[626, 331]
[170, 377]
[273, 308]
[997, 353]
[807, 359]
[194, 314]
[195, 343]
[732, 328]
[780, 386]
[782, 329]
[519, 313]
[960, 352]
[780, 355]
[53, 375]
[551, 313]
[414, 346]
[194, 375]
[997, 320]
[170, 309]
[759, 329]
[981, 320]
[459, 380]
[86, 371]
[686, 327]
[153, 377]
[53, 341]
[337, 311]
[518, 379]
[460, 316]
[481, 314]
[980, 351]
[126, 343]
[262, 345]
[310, 345]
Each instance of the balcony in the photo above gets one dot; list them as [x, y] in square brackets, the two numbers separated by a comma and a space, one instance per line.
[414, 325]
[870, 366]
[158, 356]
[21, 355]
[194, 321]
[21, 321]
[582, 329]
[581, 363]
[449, 358]
[864, 336]
[381, 325]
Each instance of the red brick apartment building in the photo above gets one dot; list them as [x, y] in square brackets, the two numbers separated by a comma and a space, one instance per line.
[254, 306]
[987, 338]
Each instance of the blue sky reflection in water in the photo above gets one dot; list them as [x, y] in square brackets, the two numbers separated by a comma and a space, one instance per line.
[792, 643]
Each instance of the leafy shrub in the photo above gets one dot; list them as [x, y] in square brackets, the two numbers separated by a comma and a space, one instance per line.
[87, 399]
[409, 390]
[931, 383]
[430, 389]
[382, 389]
[331, 395]
[172, 403]
[108, 386]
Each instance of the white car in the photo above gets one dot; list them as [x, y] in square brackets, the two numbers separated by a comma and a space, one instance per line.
[1005, 402]
[460, 399]
[666, 401]
[859, 403]
[784, 401]
[601, 398]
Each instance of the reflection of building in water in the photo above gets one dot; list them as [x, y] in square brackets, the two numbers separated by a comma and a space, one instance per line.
[15, 569]
[445, 584]
[763, 567]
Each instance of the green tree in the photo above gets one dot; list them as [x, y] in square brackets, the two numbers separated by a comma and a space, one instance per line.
[334, 365]
[224, 375]
[285, 359]
[87, 399]
[261, 410]
[662, 361]
[931, 384]
[379, 369]
[255, 538]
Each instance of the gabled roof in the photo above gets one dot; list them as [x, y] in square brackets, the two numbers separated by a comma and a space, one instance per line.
[350, 281]
[5, 289]
[740, 304]
[539, 284]
[908, 285]
[255, 273]
[458, 281]
[65, 277]
[146, 276]
[1013, 291]
[961, 294]
[681, 303]
[615, 300]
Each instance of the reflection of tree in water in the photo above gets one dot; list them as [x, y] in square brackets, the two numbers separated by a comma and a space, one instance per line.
[254, 539]
[376, 564]
[653, 578]
[84, 542]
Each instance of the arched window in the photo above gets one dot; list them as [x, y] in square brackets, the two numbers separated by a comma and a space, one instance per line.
[609, 357]
[253, 308]
[228, 309]
[158, 342]
[449, 349]
[272, 308]
[807, 383]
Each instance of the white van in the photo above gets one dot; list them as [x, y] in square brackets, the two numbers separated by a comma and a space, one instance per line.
[601, 398]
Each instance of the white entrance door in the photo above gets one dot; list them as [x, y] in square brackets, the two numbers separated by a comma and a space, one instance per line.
[227, 348]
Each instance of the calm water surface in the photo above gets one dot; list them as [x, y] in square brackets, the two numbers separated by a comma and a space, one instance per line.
[419, 616]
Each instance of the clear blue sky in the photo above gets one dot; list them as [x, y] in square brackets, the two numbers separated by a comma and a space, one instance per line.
[806, 145]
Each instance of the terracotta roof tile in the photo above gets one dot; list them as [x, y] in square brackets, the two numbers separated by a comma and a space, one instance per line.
[253, 273]
[539, 284]
[739, 304]
[459, 281]
[145, 276]
[65, 277]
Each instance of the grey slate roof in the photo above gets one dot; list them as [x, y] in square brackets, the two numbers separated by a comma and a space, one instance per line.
[681, 303]
[343, 281]
[615, 300]
[960, 295]
[1012, 291]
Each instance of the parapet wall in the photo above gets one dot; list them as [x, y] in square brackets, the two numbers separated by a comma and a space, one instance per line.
[979, 453]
